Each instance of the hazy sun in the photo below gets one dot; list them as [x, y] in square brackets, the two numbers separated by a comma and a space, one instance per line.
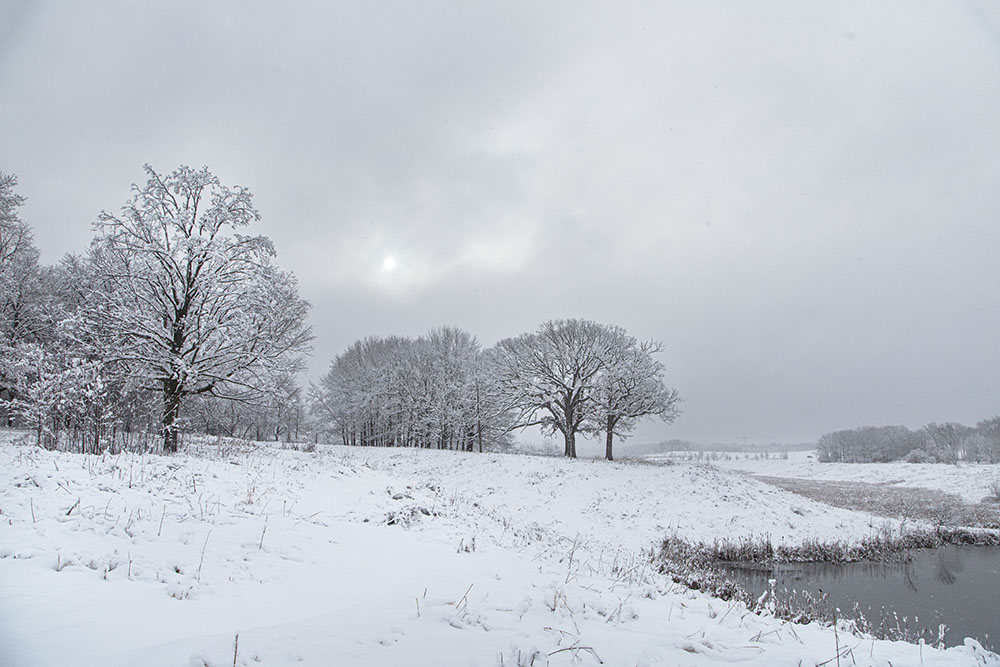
[389, 263]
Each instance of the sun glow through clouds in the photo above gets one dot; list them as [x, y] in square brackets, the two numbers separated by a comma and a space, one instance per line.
[389, 263]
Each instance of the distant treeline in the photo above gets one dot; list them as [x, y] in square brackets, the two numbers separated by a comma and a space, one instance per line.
[947, 442]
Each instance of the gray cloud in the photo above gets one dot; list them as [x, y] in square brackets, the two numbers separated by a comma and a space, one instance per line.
[799, 200]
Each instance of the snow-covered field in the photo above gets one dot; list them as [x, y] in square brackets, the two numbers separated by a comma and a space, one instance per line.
[971, 481]
[389, 557]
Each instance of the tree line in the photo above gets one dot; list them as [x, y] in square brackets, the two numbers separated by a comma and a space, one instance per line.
[444, 391]
[946, 442]
[175, 319]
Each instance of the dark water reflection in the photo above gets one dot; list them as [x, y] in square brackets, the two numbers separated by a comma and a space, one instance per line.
[956, 586]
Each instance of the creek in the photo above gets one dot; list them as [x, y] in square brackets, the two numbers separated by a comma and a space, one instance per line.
[957, 586]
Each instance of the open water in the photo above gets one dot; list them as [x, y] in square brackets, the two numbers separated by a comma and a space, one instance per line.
[956, 586]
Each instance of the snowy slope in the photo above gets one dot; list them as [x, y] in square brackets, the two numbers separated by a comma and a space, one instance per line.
[386, 557]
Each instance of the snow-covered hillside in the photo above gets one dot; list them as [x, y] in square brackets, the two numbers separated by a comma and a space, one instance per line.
[388, 557]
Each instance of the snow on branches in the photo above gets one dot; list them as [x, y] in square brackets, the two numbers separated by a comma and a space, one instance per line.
[187, 304]
[428, 392]
[441, 390]
[577, 376]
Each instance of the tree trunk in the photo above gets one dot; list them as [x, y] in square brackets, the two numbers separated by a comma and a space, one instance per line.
[609, 441]
[570, 437]
[569, 428]
[171, 410]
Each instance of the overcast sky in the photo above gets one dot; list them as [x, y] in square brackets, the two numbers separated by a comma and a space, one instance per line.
[800, 199]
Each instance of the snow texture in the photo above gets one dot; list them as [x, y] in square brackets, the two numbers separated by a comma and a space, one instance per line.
[356, 556]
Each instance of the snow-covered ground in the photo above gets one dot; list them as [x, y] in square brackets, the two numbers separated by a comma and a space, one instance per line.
[388, 557]
[971, 481]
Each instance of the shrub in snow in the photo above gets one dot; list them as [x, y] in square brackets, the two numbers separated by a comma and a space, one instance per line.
[919, 456]
[407, 515]
[994, 489]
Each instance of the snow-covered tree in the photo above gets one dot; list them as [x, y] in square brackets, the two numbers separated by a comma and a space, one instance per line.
[981, 448]
[22, 297]
[550, 378]
[24, 319]
[360, 398]
[188, 305]
[870, 444]
[277, 413]
[449, 363]
[946, 440]
[631, 387]
[18, 266]
[493, 416]
[987, 447]
[15, 234]
[424, 392]
[74, 402]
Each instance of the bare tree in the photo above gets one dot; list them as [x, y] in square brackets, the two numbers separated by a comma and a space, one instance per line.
[187, 304]
[947, 439]
[988, 441]
[631, 387]
[550, 377]
[14, 233]
[867, 444]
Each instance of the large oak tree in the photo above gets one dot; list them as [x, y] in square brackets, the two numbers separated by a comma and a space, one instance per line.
[550, 376]
[577, 376]
[186, 303]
